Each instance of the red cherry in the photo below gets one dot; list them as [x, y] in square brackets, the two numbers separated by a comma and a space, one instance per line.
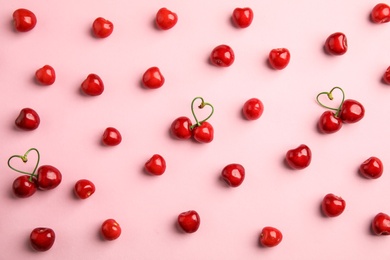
[329, 123]
[332, 205]
[380, 13]
[386, 76]
[84, 188]
[23, 187]
[102, 28]
[270, 237]
[233, 174]
[42, 239]
[165, 19]
[153, 78]
[299, 158]
[380, 225]
[279, 58]
[351, 111]
[92, 85]
[45, 75]
[28, 119]
[155, 165]
[222, 56]
[204, 133]
[180, 128]
[24, 20]
[48, 177]
[253, 109]
[242, 17]
[189, 221]
[111, 137]
[372, 168]
[110, 229]
[336, 44]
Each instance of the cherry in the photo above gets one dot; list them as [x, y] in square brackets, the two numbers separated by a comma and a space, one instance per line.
[386, 76]
[48, 177]
[270, 237]
[233, 174]
[155, 165]
[253, 109]
[153, 78]
[380, 225]
[279, 58]
[102, 28]
[42, 238]
[45, 75]
[332, 205]
[372, 168]
[380, 13]
[28, 119]
[84, 188]
[24, 20]
[110, 229]
[299, 157]
[204, 133]
[166, 19]
[92, 85]
[329, 123]
[111, 137]
[24, 186]
[180, 128]
[222, 56]
[336, 44]
[189, 221]
[242, 17]
[351, 111]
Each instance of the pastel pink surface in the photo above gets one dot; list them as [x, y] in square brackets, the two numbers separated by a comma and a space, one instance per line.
[146, 207]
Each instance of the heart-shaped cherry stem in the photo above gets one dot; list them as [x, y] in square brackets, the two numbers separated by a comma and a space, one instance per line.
[202, 105]
[24, 159]
[330, 96]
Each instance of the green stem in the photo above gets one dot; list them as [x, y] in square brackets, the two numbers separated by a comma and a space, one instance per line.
[202, 105]
[25, 159]
[330, 96]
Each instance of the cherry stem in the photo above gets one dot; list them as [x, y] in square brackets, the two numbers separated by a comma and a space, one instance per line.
[202, 105]
[24, 159]
[330, 96]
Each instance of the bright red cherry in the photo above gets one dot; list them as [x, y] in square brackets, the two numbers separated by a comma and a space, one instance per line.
[110, 229]
[24, 20]
[242, 17]
[92, 85]
[180, 128]
[332, 205]
[155, 165]
[42, 238]
[380, 225]
[270, 237]
[48, 177]
[380, 13]
[84, 188]
[222, 56]
[102, 28]
[372, 168]
[279, 58]
[299, 158]
[386, 76]
[204, 133]
[253, 109]
[329, 123]
[111, 136]
[189, 221]
[351, 111]
[23, 187]
[233, 174]
[166, 19]
[153, 78]
[336, 44]
[45, 75]
[28, 119]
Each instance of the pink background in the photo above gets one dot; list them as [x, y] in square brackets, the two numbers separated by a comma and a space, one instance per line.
[146, 206]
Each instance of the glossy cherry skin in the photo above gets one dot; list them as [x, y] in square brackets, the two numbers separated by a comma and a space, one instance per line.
[204, 133]
[23, 187]
[372, 168]
[332, 205]
[270, 237]
[351, 111]
[279, 58]
[102, 28]
[253, 109]
[336, 44]
[45, 75]
[92, 85]
[48, 177]
[180, 128]
[299, 158]
[84, 188]
[329, 123]
[380, 224]
[153, 78]
[110, 229]
[24, 20]
[166, 19]
[242, 17]
[233, 174]
[111, 136]
[222, 56]
[386, 76]
[42, 238]
[156, 165]
[380, 13]
[189, 221]
[28, 119]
